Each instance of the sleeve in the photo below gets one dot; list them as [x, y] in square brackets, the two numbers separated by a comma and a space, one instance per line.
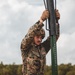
[28, 39]
[46, 43]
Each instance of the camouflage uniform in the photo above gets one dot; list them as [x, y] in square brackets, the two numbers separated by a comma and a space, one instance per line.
[34, 56]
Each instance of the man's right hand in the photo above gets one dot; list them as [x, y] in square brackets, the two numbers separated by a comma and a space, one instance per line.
[45, 15]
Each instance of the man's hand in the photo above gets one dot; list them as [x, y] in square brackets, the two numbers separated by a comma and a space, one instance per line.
[45, 15]
[57, 14]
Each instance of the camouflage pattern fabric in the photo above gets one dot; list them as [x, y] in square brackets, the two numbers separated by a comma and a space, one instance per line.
[33, 56]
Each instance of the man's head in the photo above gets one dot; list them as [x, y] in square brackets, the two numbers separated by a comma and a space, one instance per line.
[39, 35]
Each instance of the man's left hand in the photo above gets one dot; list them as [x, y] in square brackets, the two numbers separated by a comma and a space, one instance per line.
[57, 14]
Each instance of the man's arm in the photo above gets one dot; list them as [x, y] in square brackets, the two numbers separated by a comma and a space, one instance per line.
[28, 39]
[46, 43]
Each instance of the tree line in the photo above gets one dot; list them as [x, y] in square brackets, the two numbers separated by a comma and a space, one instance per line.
[13, 69]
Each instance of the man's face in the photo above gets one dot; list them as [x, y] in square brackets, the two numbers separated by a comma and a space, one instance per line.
[37, 39]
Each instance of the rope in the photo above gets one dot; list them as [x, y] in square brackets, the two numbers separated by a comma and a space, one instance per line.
[55, 4]
[45, 4]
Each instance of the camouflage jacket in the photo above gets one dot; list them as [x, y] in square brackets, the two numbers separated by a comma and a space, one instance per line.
[34, 56]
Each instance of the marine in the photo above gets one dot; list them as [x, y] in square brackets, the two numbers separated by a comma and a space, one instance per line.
[33, 49]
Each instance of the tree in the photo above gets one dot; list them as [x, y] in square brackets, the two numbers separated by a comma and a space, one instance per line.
[60, 72]
[5, 71]
[71, 73]
[19, 70]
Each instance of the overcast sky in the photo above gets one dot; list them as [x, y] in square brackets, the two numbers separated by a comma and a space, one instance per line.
[16, 16]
